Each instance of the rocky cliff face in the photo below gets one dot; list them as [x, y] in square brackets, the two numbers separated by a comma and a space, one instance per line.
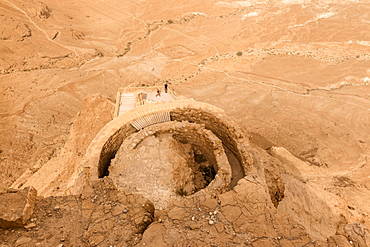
[295, 73]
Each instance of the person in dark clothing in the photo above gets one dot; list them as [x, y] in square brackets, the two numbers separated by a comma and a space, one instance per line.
[165, 87]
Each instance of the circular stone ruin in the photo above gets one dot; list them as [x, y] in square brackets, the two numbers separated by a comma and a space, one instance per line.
[169, 149]
[171, 159]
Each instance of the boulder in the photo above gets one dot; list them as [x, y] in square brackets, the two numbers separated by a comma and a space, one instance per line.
[17, 207]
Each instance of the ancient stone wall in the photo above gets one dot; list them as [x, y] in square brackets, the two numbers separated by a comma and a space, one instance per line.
[225, 129]
[106, 143]
[197, 136]
[111, 146]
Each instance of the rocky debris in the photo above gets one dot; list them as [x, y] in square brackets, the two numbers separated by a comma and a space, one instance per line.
[100, 216]
[42, 11]
[154, 236]
[14, 30]
[244, 216]
[22, 241]
[105, 216]
[114, 217]
[17, 207]
[30, 225]
[357, 233]
[339, 240]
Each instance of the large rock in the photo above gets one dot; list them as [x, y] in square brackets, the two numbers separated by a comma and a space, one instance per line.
[16, 208]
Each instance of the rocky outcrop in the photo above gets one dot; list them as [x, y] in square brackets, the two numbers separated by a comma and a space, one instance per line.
[113, 217]
[244, 216]
[104, 216]
[52, 178]
[100, 216]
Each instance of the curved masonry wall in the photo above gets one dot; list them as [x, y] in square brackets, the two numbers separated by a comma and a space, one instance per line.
[196, 135]
[225, 129]
[104, 146]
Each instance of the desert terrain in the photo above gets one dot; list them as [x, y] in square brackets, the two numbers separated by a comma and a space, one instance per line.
[294, 73]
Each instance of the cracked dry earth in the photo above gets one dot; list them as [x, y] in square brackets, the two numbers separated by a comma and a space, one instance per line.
[294, 73]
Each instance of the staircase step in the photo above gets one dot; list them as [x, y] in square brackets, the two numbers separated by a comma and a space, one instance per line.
[127, 102]
[158, 117]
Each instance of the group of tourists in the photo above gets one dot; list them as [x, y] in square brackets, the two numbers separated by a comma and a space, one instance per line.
[165, 90]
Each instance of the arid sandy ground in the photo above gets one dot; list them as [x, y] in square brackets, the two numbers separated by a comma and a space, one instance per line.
[295, 72]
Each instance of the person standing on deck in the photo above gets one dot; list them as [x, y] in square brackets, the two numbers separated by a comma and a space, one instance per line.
[165, 87]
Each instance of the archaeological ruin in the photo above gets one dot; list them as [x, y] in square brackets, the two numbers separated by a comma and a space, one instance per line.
[165, 170]
[204, 127]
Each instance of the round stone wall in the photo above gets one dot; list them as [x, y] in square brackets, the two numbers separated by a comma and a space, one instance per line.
[158, 175]
[105, 145]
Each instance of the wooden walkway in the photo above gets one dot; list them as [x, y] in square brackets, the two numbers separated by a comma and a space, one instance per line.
[132, 97]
